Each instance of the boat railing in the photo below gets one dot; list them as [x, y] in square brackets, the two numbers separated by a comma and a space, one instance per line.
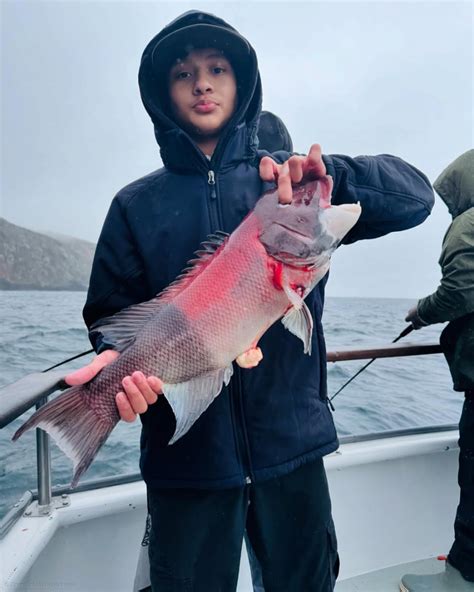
[34, 389]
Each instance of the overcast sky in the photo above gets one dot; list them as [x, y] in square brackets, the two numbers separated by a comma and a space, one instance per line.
[356, 77]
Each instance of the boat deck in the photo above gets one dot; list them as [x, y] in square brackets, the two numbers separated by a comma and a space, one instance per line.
[387, 580]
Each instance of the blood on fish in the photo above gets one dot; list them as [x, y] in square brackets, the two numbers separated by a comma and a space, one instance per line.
[298, 288]
[276, 268]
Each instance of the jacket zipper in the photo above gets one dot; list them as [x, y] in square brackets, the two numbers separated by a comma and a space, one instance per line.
[235, 386]
[211, 179]
[246, 445]
[213, 209]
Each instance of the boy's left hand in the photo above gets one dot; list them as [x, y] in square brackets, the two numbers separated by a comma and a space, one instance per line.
[294, 170]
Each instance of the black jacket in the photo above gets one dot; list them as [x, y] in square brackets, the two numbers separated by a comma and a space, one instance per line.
[275, 417]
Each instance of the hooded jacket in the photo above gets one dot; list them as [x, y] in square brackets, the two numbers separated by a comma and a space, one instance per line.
[453, 300]
[273, 134]
[275, 417]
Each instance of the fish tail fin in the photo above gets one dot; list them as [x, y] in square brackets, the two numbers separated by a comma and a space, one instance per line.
[76, 428]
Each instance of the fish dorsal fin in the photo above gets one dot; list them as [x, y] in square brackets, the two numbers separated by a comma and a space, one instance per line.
[121, 328]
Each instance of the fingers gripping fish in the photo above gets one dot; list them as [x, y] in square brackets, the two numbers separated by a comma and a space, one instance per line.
[189, 334]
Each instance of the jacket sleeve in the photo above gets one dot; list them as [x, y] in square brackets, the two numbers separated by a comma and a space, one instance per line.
[117, 277]
[454, 297]
[393, 194]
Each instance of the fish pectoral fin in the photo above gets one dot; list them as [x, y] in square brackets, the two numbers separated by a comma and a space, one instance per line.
[300, 322]
[189, 400]
[293, 297]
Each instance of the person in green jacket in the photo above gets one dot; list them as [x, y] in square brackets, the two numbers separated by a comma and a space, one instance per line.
[453, 301]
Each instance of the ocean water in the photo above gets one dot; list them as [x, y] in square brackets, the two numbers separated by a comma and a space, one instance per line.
[39, 329]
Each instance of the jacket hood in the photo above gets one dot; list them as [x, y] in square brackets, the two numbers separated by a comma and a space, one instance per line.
[455, 185]
[199, 29]
[273, 135]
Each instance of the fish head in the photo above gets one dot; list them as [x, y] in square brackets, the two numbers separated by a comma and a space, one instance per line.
[304, 233]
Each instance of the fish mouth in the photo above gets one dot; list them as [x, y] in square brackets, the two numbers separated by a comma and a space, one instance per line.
[295, 262]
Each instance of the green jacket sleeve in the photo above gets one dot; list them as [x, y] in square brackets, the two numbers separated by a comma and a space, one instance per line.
[454, 297]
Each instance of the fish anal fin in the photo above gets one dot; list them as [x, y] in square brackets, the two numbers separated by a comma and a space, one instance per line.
[189, 400]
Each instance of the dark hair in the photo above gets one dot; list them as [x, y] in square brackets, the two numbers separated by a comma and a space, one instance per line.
[183, 53]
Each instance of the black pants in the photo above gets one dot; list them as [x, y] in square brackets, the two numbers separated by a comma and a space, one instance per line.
[196, 536]
[462, 551]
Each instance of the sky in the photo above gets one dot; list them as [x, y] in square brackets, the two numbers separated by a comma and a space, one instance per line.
[356, 77]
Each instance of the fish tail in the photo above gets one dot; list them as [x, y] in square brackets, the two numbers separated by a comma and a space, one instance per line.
[76, 428]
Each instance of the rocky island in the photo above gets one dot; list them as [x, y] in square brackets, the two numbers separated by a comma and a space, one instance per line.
[34, 261]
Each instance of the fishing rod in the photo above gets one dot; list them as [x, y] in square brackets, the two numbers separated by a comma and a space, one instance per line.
[404, 333]
[89, 351]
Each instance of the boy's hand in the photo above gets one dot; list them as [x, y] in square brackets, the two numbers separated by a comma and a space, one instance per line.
[250, 358]
[294, 170]
[88, 372]
[138, 391]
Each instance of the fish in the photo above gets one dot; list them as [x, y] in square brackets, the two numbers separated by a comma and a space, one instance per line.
[235, 288]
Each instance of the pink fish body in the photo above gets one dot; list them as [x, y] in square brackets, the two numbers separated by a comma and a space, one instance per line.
[219, 308]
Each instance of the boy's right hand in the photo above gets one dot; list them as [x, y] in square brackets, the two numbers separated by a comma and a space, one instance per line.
[296, 169]
[138, 391]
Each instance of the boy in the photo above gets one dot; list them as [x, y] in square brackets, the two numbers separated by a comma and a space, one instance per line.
[253, 462]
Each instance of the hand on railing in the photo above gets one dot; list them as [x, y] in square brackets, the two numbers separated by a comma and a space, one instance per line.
[138, 390]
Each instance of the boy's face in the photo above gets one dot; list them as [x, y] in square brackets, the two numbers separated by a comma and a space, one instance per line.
[203, 93]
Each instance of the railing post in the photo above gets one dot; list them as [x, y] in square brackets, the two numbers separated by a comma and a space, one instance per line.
[43, 464]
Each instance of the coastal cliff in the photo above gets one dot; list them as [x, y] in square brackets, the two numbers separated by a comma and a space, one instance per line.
[34, 261]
